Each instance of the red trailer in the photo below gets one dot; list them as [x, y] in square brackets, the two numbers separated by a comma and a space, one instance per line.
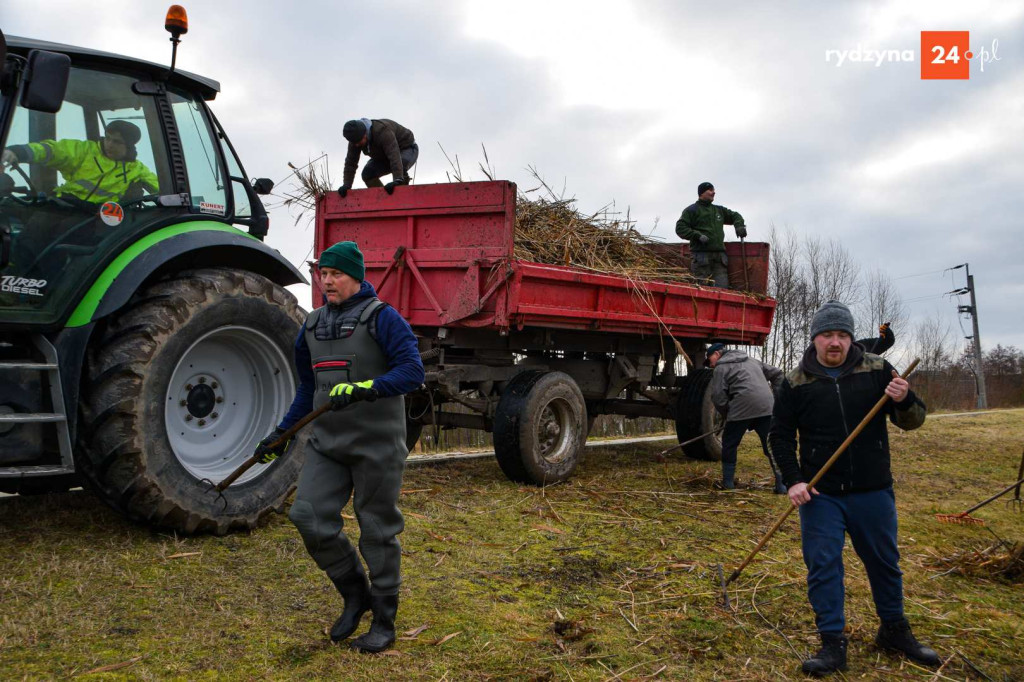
[537, 351]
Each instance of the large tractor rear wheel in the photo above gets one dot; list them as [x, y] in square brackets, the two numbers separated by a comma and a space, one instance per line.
[540, 427]
[181, 386]
[696, 415]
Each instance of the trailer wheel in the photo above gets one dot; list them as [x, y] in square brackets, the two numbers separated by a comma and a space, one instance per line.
[696, 414]
[180, 387]
[540, 428]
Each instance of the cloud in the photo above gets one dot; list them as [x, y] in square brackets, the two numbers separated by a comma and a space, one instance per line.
[636, 104]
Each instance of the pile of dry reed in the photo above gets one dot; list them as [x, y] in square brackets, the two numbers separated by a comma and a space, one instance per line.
[1003, 560]
[553, 231]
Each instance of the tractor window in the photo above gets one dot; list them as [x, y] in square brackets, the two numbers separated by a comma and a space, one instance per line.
[238, 191]
[53, 146]
[206, 181]
[76, 188]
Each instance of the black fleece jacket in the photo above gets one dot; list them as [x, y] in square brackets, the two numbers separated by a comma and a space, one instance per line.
[825, 411]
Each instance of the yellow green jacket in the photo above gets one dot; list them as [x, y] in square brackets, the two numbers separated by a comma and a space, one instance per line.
[88, 174]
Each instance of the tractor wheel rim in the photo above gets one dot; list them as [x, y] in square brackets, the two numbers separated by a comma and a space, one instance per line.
[227, 391]
[554, 431]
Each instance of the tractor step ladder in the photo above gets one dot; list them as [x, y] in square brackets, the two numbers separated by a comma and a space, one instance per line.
[58, 417]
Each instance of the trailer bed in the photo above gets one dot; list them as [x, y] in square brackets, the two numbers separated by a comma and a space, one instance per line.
[443, 256]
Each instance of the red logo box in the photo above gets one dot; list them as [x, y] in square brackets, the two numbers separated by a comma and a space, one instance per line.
[945, 55]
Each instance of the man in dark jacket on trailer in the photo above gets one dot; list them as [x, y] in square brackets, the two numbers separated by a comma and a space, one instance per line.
[391, 148]
[824, 399]
[703, 224]
[358, 353]
[742, 389]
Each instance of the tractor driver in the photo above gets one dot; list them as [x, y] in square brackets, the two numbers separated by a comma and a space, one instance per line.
[94, 171]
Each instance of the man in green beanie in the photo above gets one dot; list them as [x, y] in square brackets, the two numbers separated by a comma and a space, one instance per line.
[702, 223]
[357, 353]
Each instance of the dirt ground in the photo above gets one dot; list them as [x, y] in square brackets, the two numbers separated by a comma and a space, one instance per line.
[608, 577]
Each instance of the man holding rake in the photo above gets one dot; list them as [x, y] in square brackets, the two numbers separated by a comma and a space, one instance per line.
[834, 386]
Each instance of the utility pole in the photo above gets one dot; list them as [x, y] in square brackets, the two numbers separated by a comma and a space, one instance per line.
[979, 374]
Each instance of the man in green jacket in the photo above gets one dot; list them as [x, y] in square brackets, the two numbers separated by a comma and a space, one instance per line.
[702, 223]
[93, 171]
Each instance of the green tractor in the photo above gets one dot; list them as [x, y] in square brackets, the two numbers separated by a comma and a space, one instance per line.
[145, 333]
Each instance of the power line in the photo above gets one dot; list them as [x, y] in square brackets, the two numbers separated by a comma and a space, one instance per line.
[924, 298]
[921, 274]
[932, 272]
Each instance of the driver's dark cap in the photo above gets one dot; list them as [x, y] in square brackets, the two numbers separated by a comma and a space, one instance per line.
[129, 132]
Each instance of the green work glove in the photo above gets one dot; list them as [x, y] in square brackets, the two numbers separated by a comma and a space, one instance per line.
[390, 187]
[741, 231]
[264, 453]
[343, 394]
[703, 239]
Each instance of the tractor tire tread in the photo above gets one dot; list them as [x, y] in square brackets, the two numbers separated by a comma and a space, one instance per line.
[112, 439]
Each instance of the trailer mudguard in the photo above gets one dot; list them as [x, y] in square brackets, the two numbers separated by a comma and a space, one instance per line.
[203, 243]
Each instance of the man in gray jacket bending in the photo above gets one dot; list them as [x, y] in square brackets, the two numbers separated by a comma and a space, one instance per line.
[743, 391]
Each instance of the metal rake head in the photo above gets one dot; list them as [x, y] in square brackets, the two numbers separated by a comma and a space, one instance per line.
[1016, 504]
[725, 587]
[215, 488]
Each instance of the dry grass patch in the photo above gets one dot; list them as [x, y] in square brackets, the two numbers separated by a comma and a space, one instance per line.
[610, 576]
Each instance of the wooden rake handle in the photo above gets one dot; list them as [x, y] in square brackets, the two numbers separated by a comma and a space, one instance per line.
[688, 442]
[251, 462]
[821, 472]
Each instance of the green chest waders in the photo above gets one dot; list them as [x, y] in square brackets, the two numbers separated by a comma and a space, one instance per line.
[359, 450]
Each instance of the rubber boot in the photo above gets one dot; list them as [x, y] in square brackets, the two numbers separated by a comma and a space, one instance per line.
[830, 658]
[355, 590]
[728, 476]
[897, 636]
[382, 632]
[780, 487]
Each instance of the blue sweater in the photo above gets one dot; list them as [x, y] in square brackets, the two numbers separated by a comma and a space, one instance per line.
[395, 337]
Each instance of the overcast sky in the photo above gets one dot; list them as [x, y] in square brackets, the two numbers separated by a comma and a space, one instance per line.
[637, 103]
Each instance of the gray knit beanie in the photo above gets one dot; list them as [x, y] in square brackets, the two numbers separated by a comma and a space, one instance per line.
[833, 316]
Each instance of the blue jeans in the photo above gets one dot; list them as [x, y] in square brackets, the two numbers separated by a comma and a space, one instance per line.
[374, 169]
[870, 520]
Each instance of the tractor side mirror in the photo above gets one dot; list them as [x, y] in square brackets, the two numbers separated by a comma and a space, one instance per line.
[263, 185]
[46, 81]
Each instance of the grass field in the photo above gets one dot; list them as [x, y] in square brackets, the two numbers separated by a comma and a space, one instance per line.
[610, 576]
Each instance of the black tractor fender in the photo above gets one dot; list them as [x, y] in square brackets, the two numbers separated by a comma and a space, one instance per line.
[179, 247]
[171, 249]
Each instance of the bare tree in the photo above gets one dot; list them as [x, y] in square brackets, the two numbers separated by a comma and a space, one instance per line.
[933, 344]
[783, 346]
[881, 302]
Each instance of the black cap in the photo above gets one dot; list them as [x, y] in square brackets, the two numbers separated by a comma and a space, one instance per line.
[704, 187]
[354, 131]
[128, 131]
[712, 349]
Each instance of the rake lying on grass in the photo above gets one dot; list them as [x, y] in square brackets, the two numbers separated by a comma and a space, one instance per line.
[966, 518]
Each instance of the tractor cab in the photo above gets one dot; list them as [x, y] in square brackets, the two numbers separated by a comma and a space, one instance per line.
[145, 332]
[128, 149]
